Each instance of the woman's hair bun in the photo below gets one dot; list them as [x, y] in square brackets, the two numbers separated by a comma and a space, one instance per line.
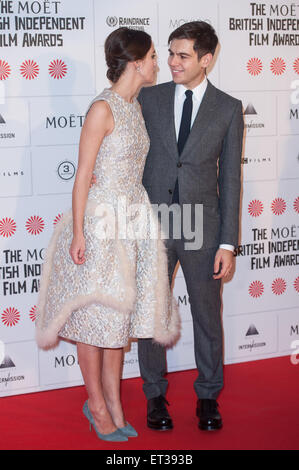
[122, 46]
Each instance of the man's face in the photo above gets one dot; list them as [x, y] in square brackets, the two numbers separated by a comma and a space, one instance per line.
[184, 65]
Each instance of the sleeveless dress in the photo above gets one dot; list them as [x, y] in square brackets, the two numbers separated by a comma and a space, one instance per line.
[122, 290]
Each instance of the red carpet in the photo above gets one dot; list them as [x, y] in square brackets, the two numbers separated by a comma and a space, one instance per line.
[259, 406]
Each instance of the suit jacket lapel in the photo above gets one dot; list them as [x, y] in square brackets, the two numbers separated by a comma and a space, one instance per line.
[203, 119]
[167, 124]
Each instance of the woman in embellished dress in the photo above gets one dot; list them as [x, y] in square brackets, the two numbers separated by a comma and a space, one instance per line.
[105, 280]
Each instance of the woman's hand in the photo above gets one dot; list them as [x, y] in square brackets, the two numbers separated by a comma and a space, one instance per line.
[77, 249]
[93, 180]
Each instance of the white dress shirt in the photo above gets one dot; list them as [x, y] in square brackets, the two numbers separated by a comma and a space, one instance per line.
[179, 98]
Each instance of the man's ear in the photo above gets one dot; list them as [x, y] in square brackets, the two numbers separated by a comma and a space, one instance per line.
[206, 60]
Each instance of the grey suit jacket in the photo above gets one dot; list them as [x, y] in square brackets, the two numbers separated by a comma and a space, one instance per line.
[210, 162]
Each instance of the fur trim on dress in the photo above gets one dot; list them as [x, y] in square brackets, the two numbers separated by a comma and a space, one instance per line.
[166, 317]
[47, 338]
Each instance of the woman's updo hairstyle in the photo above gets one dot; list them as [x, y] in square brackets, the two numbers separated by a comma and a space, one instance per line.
[122, 46]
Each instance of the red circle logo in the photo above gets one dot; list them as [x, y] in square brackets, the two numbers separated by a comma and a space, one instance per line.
[4, 70]
[254, 66]
[256, 289]
[278, 66]
[296, 65]
[255, 208]
[278, 206]
[296, 284]
[296, 204]
[29, 69]
[57, 219]
[57, 69]
[35, 225]
[10, 316]
[32, 313]
[279, 286]
[7, 227]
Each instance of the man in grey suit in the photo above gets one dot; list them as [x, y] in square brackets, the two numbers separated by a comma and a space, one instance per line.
[196, 134]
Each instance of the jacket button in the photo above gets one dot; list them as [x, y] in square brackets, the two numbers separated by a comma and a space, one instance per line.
[170, 191]
[179, 165]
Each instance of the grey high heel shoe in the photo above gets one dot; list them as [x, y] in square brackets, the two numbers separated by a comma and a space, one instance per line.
[129, 431]
[116, 436]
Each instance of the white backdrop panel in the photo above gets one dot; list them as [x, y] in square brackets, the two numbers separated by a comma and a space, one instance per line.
[45, 90]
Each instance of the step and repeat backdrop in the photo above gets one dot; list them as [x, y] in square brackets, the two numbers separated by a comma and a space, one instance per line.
[51, 66]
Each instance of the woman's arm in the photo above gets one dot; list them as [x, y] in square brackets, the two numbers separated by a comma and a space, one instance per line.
[98, 124]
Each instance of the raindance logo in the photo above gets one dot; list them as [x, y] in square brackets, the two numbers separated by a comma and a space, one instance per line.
[279, 286]
[7, 227]
[10, 317]
[66, 170]
[296, 284]
[29, 69]
[296, 66]
[278, 66]
[5, 70]
[35, 225]
[278, 206]
[254, 66]
[133, 23]
[256, 289]
[255, 208]
[57, 69]
[111, 21]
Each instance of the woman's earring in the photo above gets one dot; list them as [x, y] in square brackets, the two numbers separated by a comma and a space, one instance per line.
[138, 69]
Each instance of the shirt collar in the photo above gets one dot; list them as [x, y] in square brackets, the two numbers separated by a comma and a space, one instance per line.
[198, 91]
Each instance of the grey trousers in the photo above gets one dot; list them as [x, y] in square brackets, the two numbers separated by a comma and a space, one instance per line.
[205, 302]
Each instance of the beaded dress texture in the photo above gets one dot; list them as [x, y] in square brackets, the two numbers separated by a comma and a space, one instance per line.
[122, 290]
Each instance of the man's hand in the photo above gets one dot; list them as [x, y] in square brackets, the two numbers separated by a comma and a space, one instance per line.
[93, 180]
[224, 260]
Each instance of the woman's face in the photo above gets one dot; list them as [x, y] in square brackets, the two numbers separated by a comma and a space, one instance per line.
[148, 66]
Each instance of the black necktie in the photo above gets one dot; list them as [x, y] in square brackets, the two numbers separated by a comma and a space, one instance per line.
[183, 135]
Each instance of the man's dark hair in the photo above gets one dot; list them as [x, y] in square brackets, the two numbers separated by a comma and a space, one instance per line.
[203, 34]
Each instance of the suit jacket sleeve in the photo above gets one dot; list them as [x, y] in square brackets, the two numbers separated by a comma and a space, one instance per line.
[229, 178]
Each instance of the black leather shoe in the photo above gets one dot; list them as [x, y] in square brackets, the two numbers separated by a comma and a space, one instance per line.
[157, 415]
[208, 414]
